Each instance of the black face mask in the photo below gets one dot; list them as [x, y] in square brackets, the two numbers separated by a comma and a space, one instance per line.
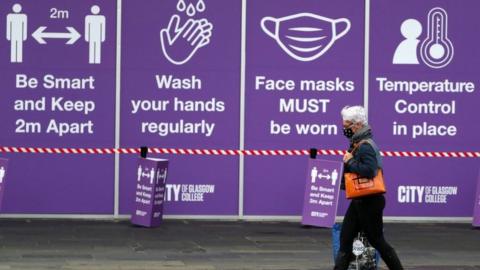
[348, 132]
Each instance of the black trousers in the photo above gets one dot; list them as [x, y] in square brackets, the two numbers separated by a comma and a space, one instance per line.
[366, 214]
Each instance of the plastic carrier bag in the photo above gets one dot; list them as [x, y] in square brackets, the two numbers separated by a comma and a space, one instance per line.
[366, 257]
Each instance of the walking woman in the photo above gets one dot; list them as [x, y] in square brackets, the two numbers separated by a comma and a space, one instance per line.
[364, 213]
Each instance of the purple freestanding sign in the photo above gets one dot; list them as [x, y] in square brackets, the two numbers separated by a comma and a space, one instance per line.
[3, 177]
[151, 175]
[181, 89]
[57, 69]
[304, 64]
[476, 208]
[423, 93]
[321, 192]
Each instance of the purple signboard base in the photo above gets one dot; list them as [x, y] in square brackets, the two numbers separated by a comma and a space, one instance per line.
[3, 174]
[476, 209]
[150, 192]
[321, 192]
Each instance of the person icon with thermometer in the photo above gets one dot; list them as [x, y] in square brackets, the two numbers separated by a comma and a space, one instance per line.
[436, 50]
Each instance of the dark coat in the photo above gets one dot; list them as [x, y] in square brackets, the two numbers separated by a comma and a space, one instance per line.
[366, 157]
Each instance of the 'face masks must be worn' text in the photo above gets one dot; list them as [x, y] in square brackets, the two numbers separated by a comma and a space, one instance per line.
[429, 107]
[180, 125]
[303, 105]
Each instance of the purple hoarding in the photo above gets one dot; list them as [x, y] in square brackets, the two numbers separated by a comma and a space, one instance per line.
[321, 192]
[304, 64]
[476, 208]
[57, 68]
[149, 191]
[422, 97]
[180, 86]
[181, 89]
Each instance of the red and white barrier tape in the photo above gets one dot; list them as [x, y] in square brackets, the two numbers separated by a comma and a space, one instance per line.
[223, 152]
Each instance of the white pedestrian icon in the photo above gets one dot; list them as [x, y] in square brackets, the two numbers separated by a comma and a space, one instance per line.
[436, 50]
[16, 33]
[2, 174]
[161, 174]
[314, 174]
[164, 175]
[95, 34]
[139, 173]
[152, 175]
[406, 52]
[334, 177]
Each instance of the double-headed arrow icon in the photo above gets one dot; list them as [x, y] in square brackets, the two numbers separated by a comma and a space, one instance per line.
[72, 35]
[320, 176]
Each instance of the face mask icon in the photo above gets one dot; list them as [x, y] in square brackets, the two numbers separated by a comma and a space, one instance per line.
[305, 36]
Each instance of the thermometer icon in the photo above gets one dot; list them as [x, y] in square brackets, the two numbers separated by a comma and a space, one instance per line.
[437, 50]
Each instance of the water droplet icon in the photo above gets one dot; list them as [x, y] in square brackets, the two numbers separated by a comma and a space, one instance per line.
[181, 6]
[200, 6]
[190, 10]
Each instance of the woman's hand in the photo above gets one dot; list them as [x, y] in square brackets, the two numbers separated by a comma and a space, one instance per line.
[347, 157]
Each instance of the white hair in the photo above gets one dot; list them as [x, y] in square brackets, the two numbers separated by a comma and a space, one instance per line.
[354, 114]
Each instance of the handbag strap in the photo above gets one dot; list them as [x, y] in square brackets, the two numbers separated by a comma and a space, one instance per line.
[357, 145]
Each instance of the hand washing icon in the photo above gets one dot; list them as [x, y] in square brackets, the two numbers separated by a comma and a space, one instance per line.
[181, 39]
[305, 36]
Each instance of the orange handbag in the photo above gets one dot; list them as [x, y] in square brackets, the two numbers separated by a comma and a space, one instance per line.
[357, 186]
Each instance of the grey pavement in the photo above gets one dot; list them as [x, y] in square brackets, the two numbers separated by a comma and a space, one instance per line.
[212, 245]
